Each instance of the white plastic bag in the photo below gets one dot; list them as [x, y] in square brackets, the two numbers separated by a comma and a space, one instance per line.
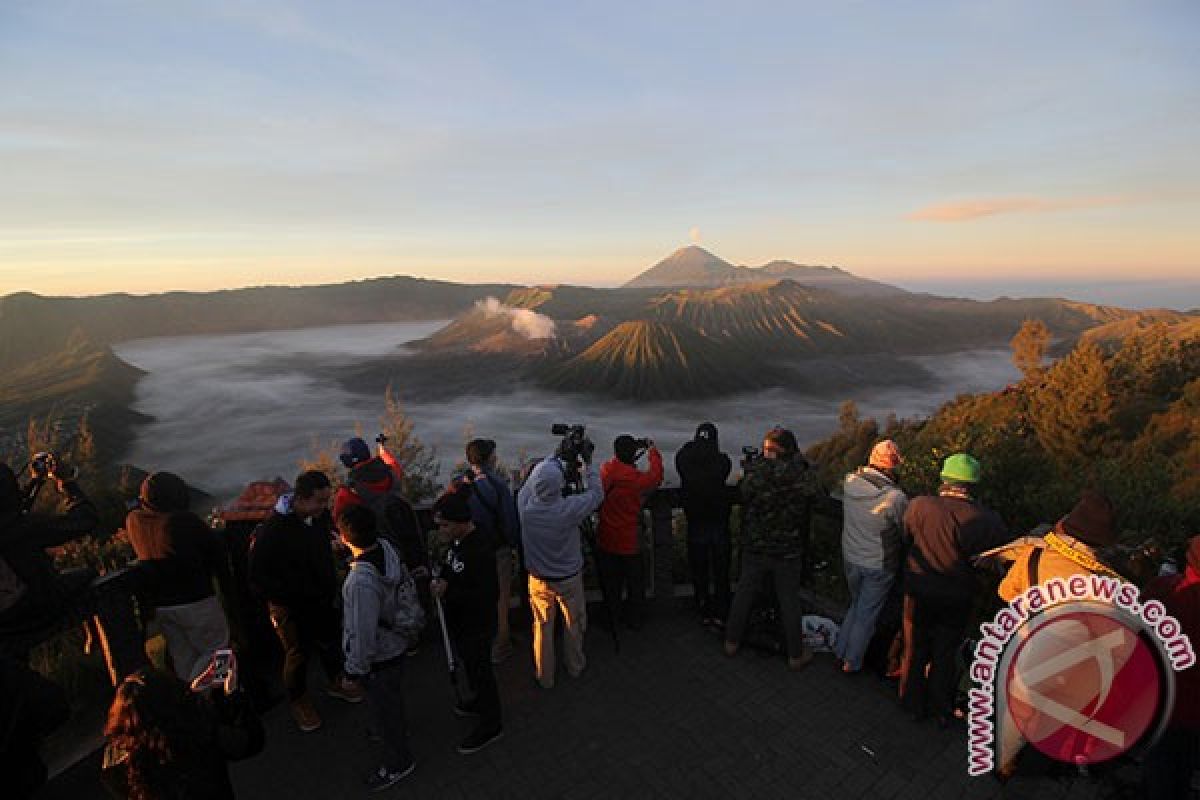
[819, 633]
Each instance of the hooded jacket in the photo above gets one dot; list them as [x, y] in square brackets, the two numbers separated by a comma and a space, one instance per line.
[291, 559]
[624, 485]
[550, 522]
[181, 554]
[703, 470]
[368, 597]
[873, 509]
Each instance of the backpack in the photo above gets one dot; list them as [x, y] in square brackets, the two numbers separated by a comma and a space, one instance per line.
[395, 519]
[407, 618]
[495, 511]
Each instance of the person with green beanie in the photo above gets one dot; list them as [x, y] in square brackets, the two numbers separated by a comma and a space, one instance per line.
[943, 532]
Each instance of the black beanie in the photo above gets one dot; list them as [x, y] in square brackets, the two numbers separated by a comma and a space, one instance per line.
[625, 448]
[707, 432]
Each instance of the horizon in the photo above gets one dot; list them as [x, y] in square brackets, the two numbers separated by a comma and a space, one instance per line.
[1173, 294]
[296, 144]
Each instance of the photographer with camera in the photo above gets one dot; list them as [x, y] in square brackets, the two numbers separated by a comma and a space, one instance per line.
[34, 597]
[778, 490]
[553, 504]
[703, 470]
[618, 554]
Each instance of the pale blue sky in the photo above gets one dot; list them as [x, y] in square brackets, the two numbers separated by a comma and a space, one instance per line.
[153, 145]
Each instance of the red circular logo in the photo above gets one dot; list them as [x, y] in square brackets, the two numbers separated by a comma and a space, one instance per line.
[1084, 687]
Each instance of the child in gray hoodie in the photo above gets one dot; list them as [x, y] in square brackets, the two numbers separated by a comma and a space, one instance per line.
[381, 616]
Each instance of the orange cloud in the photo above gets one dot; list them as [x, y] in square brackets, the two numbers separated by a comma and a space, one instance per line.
[973, 209]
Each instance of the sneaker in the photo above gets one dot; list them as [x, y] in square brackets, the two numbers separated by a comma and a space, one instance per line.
[345, 689]
[731, 648]
[479, 740]
[384, 778]
[465, 710]
[306, 717]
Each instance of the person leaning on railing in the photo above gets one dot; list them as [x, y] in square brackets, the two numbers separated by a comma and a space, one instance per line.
[779, 492]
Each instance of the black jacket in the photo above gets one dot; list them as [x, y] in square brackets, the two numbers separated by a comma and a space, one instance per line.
[182, 555]
[470, 572]
[25, 537]
[944, 532]
[291, 563]
[703, 470]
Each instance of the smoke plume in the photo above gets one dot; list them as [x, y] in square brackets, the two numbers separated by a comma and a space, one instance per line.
[529, 324]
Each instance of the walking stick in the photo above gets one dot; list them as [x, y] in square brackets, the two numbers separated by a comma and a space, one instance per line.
[451, 664]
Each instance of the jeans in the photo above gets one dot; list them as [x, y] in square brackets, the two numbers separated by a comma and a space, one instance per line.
[709, 554]
[623, 574]
[385, 703]
[868, 592]
[938, 627]
[546, 599]
[301, 630]
[786, 574]
[475, 650]
[505, 558]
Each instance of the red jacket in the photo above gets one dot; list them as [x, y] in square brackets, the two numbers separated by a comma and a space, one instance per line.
[624, 486]
[376, 476]
[1181, 595]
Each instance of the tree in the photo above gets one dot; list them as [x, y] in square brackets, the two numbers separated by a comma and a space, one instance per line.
[1029, 347]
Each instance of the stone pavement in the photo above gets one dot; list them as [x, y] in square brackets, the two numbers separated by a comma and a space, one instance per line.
[669, 716]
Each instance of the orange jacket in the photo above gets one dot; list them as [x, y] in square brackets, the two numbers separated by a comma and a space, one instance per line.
[624, 486]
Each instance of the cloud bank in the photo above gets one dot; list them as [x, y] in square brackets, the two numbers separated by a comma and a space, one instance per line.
[964, 210]
[529, 324]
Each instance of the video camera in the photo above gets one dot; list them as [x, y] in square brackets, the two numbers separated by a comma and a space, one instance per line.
[750, 455]
[573, 451]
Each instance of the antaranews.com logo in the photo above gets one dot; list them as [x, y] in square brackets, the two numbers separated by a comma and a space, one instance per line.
[1079, 668]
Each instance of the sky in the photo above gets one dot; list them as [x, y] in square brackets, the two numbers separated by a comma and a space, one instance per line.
[147, 146]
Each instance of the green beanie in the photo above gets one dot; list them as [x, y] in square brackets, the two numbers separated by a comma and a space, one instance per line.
[961, 468]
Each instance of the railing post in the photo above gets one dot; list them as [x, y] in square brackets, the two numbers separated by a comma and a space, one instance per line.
[661, 505]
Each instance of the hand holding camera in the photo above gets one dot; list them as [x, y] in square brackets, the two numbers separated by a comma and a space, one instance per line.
[48, 466]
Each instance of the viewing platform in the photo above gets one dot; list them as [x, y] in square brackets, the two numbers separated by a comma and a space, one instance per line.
[668, 716]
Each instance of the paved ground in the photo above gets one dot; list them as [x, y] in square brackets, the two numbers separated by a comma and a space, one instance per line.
[670, 716]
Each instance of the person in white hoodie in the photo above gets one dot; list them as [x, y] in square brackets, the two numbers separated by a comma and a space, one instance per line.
[381, 617]
[873, 517]
[554, 560]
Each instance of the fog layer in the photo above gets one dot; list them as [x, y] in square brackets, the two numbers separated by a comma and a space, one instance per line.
[230, 409]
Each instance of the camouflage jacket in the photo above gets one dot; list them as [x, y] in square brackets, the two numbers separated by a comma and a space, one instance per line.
[778, 497]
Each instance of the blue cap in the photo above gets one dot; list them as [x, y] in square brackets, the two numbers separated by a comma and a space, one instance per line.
[354, 452]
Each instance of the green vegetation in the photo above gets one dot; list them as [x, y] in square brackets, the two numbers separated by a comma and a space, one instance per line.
[1124, 419]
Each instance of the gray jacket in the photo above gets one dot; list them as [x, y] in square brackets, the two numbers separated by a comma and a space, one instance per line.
[550, 522]
[873, 518]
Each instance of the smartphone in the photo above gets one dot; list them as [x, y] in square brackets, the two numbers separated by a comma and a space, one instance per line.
[222, 664]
